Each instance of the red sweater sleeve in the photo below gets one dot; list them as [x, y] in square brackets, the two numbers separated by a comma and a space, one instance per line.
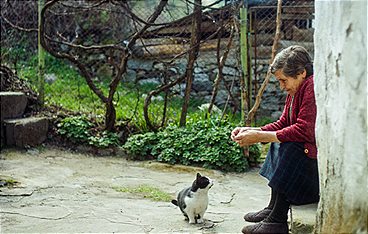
[304, 112]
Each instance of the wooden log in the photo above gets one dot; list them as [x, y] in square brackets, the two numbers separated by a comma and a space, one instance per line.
[299, 16]
[263, 52]
[265, 39]
[173, 49]
[183, 29]
[309, 46]
[299, 10]
[305, 35]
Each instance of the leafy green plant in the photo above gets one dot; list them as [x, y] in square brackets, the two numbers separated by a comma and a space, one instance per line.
[104, 139]
[204, 143]
[75, 128]
[140, 145]
[78, 129]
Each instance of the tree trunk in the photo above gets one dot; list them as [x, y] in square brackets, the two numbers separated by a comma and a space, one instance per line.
[110, 116]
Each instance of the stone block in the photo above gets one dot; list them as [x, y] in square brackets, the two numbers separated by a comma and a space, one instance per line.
[12, 104]
[23, 132]
[303, 218]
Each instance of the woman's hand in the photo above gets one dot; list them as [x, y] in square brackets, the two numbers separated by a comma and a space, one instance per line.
[239, 130]
[248, 137]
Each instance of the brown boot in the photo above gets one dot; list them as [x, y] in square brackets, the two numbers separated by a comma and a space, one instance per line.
[263, 227]
[258, 216]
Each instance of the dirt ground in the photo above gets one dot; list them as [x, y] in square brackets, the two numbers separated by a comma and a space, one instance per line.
[62, 191]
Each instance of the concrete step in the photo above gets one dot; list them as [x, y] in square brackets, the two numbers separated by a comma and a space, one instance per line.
[23, 132]
[303, 218]
[12, 104]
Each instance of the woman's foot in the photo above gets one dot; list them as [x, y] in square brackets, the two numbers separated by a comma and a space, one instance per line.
[264, 227]
[258, 216]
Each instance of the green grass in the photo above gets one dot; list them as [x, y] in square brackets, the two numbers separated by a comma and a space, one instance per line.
[71, 92]
[146, 191]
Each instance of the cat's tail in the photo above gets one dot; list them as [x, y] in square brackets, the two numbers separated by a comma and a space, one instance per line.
[175, 202]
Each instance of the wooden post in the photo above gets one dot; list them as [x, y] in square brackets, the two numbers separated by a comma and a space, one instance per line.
[41, 58]
[244, 63]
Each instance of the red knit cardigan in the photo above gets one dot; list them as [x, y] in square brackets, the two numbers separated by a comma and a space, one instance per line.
[301, 128]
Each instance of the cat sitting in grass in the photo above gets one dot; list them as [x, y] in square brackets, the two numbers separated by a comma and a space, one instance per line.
[193, 201]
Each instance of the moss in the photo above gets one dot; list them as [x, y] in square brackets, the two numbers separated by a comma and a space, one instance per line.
[146, 191]
[6, 181]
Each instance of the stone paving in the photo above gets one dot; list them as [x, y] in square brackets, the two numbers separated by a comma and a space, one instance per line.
[62, 191]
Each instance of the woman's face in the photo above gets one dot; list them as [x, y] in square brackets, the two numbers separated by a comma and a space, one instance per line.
[288, 83]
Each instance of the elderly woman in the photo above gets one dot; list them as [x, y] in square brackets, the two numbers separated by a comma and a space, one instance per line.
[291, 163]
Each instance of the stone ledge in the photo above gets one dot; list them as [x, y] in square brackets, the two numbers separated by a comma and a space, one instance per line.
[23, 132]
[13, 104]
[303, 218]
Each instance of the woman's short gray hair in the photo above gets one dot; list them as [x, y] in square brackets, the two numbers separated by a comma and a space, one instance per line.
[292, 61]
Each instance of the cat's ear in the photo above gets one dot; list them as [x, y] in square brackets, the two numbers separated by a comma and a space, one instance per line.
[198, 175]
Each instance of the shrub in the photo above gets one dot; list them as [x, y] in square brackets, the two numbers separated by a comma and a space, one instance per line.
[204, 143]
[75, 128]
[78, 129]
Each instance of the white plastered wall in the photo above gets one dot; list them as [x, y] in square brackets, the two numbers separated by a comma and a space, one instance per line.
[340, 64]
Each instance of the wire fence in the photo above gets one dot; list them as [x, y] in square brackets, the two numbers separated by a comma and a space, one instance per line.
[95, 33]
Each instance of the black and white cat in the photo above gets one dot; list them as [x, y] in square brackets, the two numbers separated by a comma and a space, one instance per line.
[193, 201]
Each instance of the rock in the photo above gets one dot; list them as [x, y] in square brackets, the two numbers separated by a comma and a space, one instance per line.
[155, 81]
[198, 70]
[276, 114]
[30, 131]
[50, 78]
[201, 82]
[221, 97]
[229, 71]
[159, 66]
[12, 104]
[137, 64]
[303, 218]
[130, 75]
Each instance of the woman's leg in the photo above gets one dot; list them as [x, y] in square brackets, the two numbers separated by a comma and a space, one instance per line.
[295, 180]
[258, 216]
[296, 175]
[267, 171]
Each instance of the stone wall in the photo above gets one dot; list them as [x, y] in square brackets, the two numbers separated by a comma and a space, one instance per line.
[151, 71]
[341, 95]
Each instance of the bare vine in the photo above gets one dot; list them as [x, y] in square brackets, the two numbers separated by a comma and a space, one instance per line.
[120, 67]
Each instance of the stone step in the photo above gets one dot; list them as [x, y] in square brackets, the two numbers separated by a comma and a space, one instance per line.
[12, 104]
[303, 218]
[23, 132]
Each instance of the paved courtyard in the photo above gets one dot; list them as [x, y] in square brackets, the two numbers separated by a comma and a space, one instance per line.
[62, 191]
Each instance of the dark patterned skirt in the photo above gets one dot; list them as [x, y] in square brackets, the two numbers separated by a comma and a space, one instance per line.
[290, 171]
